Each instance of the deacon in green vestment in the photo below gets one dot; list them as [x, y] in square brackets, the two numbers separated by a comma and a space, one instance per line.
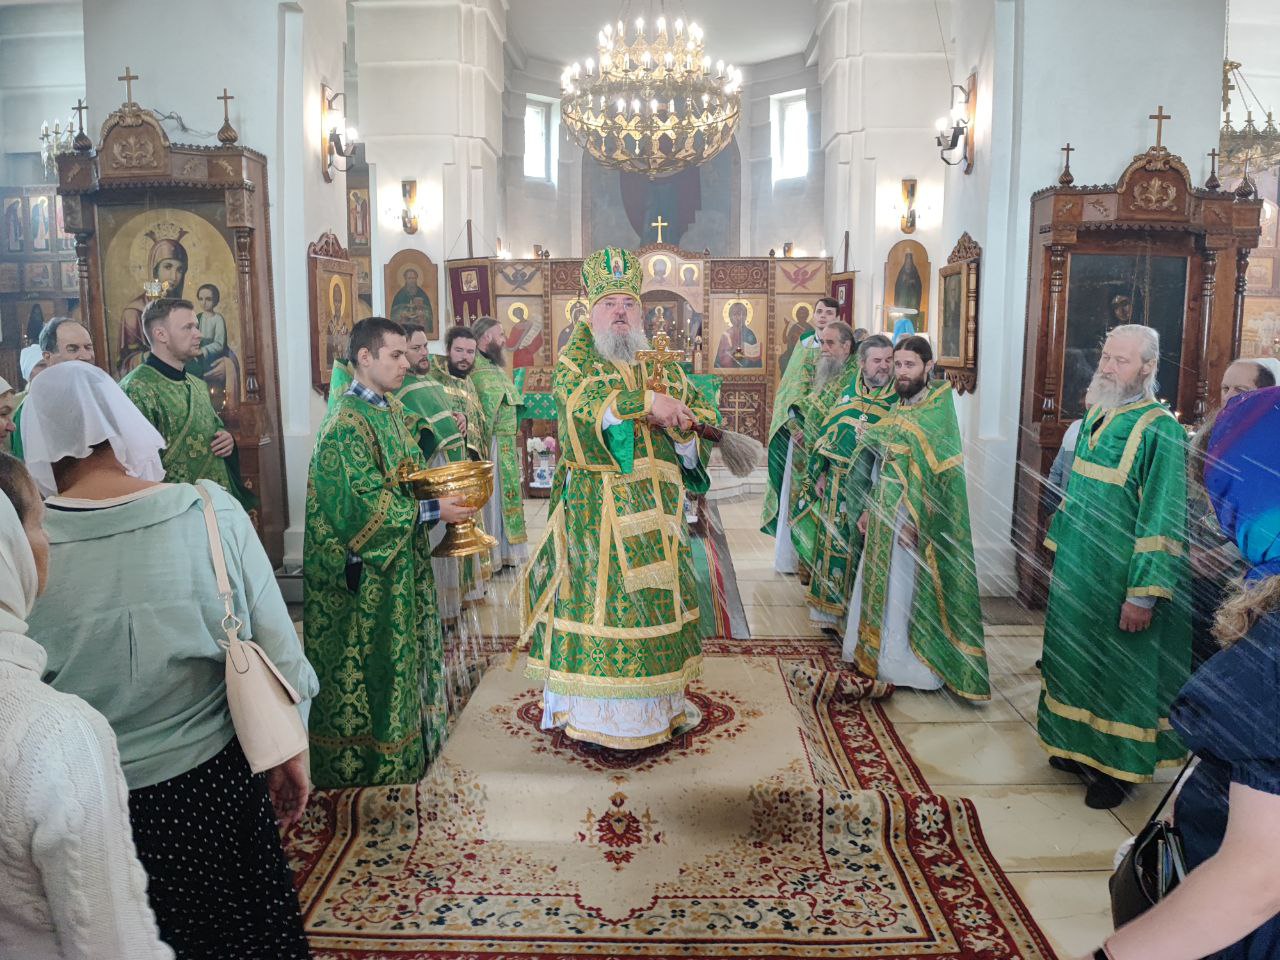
[197, 444]
[914, 618]
[504, 513]
[787, 449]
[453, 373]
[825, 532]
[372, 630]
[1117, 632]
[610, 601]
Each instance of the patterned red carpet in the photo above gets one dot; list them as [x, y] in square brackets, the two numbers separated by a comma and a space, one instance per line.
[790, 822]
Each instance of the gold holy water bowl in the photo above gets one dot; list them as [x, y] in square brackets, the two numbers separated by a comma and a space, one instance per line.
[469, 480]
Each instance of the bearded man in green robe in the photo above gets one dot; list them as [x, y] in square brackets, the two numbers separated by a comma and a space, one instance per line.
[1117, 632]
[197, 444]
[504, 513]
[372, 630]
[453, 372]
[914, 618]
[610, 605]
[787, 450]
[825, 532]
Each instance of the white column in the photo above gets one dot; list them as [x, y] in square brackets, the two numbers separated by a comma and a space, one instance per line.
[884, 82]
[431, 83]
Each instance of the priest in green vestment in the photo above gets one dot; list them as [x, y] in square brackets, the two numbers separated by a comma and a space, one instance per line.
[453, 373]
[1117, 631]
[197, 444]
[825, 532]
[372, 630]
[610, 608]
[504, 513]
[914, 618]
[787, 449]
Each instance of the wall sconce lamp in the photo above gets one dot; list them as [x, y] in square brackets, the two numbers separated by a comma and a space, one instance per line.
[788, 248]
[908, 221]
[337, 138]
[409, 215]
[957, 128]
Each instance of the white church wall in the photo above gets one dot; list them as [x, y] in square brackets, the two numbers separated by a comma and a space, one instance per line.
[546, 212]
[273, 58]
[41, 77]
[1255, 44]
[1031, 100]
[775, 211]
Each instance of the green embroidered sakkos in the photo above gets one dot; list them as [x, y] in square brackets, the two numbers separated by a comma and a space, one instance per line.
[825, 530]
[463, 399]
[183, 413]
[1119, 534]
[372, 630]
[610, 600]
[500, 400]
[796, 383]
[919, 451]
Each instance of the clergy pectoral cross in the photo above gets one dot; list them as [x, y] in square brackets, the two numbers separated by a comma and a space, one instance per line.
[659, 223]
[128, 77]
[1159, 117]
[226, 99]
[659, 356]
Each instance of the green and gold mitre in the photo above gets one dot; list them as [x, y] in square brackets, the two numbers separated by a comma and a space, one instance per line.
[611, 270]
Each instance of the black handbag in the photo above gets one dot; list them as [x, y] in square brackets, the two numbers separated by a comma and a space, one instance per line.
[1154, 865]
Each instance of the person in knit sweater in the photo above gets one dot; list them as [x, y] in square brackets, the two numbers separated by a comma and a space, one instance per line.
[71, 886]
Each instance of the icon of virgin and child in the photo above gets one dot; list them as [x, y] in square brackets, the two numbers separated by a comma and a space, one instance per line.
[217, 363]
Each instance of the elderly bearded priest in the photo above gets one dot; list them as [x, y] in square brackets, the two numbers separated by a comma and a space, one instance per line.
[1117, 632]
[610, 605]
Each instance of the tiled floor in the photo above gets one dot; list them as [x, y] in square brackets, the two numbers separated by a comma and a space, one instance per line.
[1056, 850]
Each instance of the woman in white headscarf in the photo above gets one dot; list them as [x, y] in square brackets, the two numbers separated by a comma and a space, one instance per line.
[30, 362]
[131, 623]
[8, 406]
[70, 882]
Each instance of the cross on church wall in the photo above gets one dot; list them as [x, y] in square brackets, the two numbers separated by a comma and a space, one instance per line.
[659, 223]
[1159, 117]
[128, 77]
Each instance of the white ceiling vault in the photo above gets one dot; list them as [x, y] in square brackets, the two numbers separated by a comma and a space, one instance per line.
[738, 31]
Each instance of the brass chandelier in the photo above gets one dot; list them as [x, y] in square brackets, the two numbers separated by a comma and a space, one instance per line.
[651, 103]
[1247, 147]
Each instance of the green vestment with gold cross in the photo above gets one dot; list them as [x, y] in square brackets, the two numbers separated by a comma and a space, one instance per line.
[372, 630]
[825, 530]
[1119, 534]
[921, 459]
[610, 607]
[500, 401]
[794, 388]
[183, 414]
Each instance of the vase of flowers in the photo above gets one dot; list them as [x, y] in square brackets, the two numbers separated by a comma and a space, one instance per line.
[542, 451]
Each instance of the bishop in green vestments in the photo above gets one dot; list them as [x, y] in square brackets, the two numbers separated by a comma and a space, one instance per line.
[788, 451]
[1117, 632]
[504, 513]
[372, 630]
[825, 532]
[610, 601]
[197, 445]
[914, 618]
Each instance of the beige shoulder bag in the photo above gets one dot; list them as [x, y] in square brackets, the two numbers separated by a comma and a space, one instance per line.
[263, 705]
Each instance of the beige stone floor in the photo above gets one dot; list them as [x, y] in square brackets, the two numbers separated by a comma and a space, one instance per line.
[1057, 852]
